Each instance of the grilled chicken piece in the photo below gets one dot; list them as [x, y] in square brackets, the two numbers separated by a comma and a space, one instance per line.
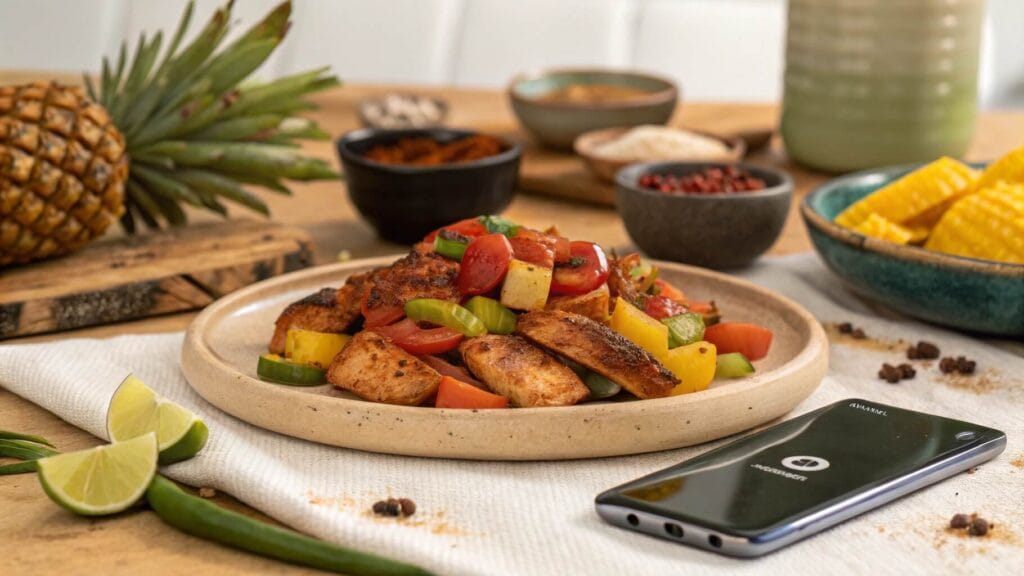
[600, 349]
[414, 276]
[593, 304]
[376, 370]
[329, 310]
[521, 372]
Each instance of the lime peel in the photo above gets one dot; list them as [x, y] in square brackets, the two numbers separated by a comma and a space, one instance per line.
[135, 409]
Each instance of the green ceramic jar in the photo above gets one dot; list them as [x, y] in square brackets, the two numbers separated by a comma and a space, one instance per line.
[878, 82]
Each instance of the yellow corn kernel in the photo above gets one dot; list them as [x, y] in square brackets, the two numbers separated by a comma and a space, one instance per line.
[918, 194]
[1009, 169]
[878, 227]
[988, 224]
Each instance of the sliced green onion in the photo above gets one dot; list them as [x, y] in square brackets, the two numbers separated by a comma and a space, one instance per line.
[683, 329]
[444, 313]
[497, 318]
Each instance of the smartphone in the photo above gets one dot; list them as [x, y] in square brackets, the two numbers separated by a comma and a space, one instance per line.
[795, 479]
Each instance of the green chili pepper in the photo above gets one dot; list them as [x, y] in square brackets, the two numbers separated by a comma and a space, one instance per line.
[450, 245]
[444, 313]
[276, 369]
[685, 328]
[198, 517]
[496, 318]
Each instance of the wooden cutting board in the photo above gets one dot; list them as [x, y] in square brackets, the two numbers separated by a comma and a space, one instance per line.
[561, 174]
[137, 277]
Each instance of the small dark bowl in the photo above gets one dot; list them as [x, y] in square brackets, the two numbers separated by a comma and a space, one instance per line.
[404, 203]
[714, 230]
[964, 293]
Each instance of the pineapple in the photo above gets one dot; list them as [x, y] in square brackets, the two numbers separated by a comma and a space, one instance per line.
[153, 135]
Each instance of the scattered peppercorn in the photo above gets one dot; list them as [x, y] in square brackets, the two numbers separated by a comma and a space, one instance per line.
[923, 351]
[845, 328]
[960, 364]
[906, 371]
[959, 521]
[394, 507]
[978, 527]
[858, 334]
[712, 180]
[890, 373]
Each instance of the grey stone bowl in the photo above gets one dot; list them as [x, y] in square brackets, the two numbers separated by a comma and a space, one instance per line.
[712, 230]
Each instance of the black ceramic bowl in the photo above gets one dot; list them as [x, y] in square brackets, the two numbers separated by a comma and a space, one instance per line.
[404, 203]
[725, 230]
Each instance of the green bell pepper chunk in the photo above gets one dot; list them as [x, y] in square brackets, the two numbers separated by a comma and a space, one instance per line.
[450, 244]
[683, 329]
[733, 365]
[601, 387]
[497, 318]
[444, 313]
[276, 369]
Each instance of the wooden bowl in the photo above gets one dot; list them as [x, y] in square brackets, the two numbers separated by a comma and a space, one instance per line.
[224, 341]
[965, 293]
[605, 168]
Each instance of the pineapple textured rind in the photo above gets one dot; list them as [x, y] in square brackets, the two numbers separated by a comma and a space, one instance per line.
[63, 168]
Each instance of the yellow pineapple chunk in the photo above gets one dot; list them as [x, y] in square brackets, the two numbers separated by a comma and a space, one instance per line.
[919, 194]
[879, 227]
[1009, 169]
[988, 224]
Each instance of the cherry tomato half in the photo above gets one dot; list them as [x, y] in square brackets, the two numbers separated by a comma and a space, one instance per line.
[484, 264]
[659, 307]
[533, 252]
[471, 227]
[751, 340]
[408, 336]
[586, 269]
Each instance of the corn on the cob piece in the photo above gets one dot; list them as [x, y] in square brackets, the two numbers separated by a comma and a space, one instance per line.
[988, 224]
[879, 227]
[919, 193]
[1009, 169]
[918, 234]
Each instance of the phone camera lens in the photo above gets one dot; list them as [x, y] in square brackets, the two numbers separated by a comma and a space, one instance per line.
[632, 519]
[673, 530]
[715, 541]
[965, 436]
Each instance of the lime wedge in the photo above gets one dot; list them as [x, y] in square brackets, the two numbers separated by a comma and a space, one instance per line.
[102, 480]
[136, 410]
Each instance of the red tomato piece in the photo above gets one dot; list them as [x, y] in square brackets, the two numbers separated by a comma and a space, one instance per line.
[533, 252]
[445, 368]
[379, 315]
[454, 394]
[484, 264]
[408, 336]
[702, 307]
[558, 245]
[669, 291]
[471, 227]
[586, 269]
[659, 307]
[750, 340]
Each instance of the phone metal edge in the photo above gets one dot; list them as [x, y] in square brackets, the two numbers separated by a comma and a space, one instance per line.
[744, 547]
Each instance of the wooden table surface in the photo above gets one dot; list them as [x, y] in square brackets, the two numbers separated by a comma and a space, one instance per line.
[40, 538]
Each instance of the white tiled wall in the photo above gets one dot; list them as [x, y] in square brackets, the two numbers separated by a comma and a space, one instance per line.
[716, 49]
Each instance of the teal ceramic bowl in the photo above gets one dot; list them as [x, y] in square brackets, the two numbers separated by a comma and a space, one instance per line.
[964, 293]
[557, 124]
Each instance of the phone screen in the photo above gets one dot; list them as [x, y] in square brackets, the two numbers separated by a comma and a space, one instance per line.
[775, 477]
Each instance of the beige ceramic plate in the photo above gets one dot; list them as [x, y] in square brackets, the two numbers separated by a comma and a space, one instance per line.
[224, 341]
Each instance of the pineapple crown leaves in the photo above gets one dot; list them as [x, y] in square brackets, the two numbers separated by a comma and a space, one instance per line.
[196, 130]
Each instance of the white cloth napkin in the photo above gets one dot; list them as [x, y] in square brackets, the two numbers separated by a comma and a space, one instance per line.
[538, 518]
